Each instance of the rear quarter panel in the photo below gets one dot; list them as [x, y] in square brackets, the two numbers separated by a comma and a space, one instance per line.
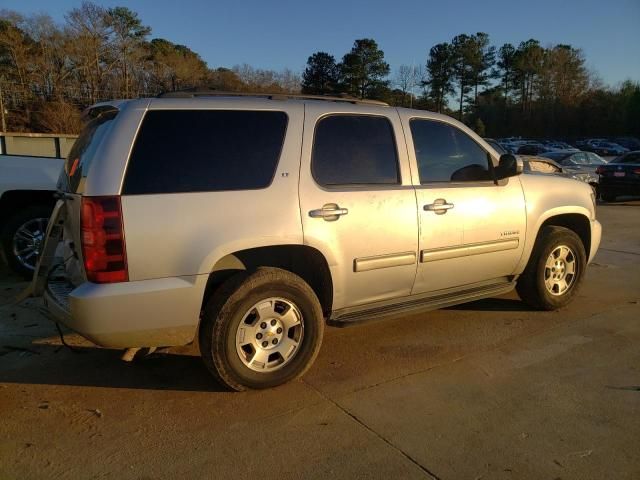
[183, 234]
[29, 173]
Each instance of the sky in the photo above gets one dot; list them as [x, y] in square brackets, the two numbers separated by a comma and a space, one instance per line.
[282, 34]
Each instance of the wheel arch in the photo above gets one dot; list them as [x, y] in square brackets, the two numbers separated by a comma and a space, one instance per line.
[576, 222]
[576, 219]
[303, 260]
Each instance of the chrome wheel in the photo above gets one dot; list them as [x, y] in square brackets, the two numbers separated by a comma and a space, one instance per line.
[560, 270]
[269, 334]
[28, 241]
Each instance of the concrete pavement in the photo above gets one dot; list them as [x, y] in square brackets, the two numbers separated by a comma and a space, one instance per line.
[484, 390]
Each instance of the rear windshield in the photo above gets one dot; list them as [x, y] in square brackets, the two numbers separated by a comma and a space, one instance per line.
[84, 149]
[205, 150]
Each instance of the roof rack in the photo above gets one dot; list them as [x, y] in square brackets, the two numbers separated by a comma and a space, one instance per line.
[193, 93]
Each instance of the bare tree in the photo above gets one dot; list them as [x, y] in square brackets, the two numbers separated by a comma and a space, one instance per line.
[407, 79]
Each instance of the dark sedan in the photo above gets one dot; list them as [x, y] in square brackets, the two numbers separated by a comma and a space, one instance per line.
[620, 177]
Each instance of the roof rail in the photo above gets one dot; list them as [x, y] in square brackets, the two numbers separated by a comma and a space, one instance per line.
[193, 93]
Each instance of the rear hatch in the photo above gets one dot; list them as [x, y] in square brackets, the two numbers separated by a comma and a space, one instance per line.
[71, 186]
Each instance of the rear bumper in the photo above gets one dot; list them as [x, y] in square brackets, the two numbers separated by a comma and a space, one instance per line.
[148, 313]
[596, 236]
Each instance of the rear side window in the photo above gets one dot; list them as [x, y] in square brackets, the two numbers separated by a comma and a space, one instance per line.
[84, 149]
[447, 154]
[205, 150]
[354, 150]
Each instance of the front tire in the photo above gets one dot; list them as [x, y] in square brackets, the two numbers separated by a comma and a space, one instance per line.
[260, 330]
[555, 270]
[609, 197]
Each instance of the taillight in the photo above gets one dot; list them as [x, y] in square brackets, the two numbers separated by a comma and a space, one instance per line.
[600, 170]
[103, 246]
[636, 171]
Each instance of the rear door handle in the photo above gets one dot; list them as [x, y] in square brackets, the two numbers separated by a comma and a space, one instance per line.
[439, 206]
[329, 212]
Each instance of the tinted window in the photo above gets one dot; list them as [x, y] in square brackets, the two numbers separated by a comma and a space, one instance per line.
[84, 149]
[630, 158]
[447, 154]
[205, 150]
[354, 149]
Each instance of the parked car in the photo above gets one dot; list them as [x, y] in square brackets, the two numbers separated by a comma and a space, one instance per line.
[580, 165]
[620, 177]
[500, 150]
[533, 164]
[555, 145]
[630, 143]
[248, 222]
[605, 148]
[536, 164]
[532, 149]
[27, 185]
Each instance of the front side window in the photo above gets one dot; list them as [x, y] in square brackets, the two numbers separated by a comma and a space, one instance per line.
[354, 150]
[205, 151]
[446, 154]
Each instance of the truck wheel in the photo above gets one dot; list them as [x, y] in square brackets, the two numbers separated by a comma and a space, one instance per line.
[555, 270]
[261, 329]
[23, 238]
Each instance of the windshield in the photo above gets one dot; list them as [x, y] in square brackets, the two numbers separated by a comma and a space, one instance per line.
[80, 157]
[557, 156]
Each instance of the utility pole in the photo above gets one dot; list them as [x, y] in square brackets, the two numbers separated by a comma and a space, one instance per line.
[4, 121]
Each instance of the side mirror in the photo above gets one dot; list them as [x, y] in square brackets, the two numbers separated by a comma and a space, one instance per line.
[509, 166]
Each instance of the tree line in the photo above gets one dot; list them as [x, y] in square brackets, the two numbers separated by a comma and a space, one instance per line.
[527, 90]
[50, 71]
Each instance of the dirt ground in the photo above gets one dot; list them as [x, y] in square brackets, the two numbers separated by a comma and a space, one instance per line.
[479, 391]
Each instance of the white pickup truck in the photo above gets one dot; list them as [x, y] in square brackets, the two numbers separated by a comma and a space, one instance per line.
[27, 185]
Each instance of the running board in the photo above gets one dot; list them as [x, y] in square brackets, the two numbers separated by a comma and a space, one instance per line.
[416, 304]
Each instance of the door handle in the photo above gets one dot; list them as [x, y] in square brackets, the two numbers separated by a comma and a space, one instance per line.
[329, 212]
[439, 206]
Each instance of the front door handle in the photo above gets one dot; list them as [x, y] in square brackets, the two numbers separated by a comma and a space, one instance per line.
[329, 212]
[439, 206]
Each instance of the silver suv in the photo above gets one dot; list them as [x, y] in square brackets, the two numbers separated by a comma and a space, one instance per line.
[246, 223]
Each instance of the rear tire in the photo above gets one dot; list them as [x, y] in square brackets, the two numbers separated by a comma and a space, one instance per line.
[555, 270]
[261, 329]
[609, 197]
